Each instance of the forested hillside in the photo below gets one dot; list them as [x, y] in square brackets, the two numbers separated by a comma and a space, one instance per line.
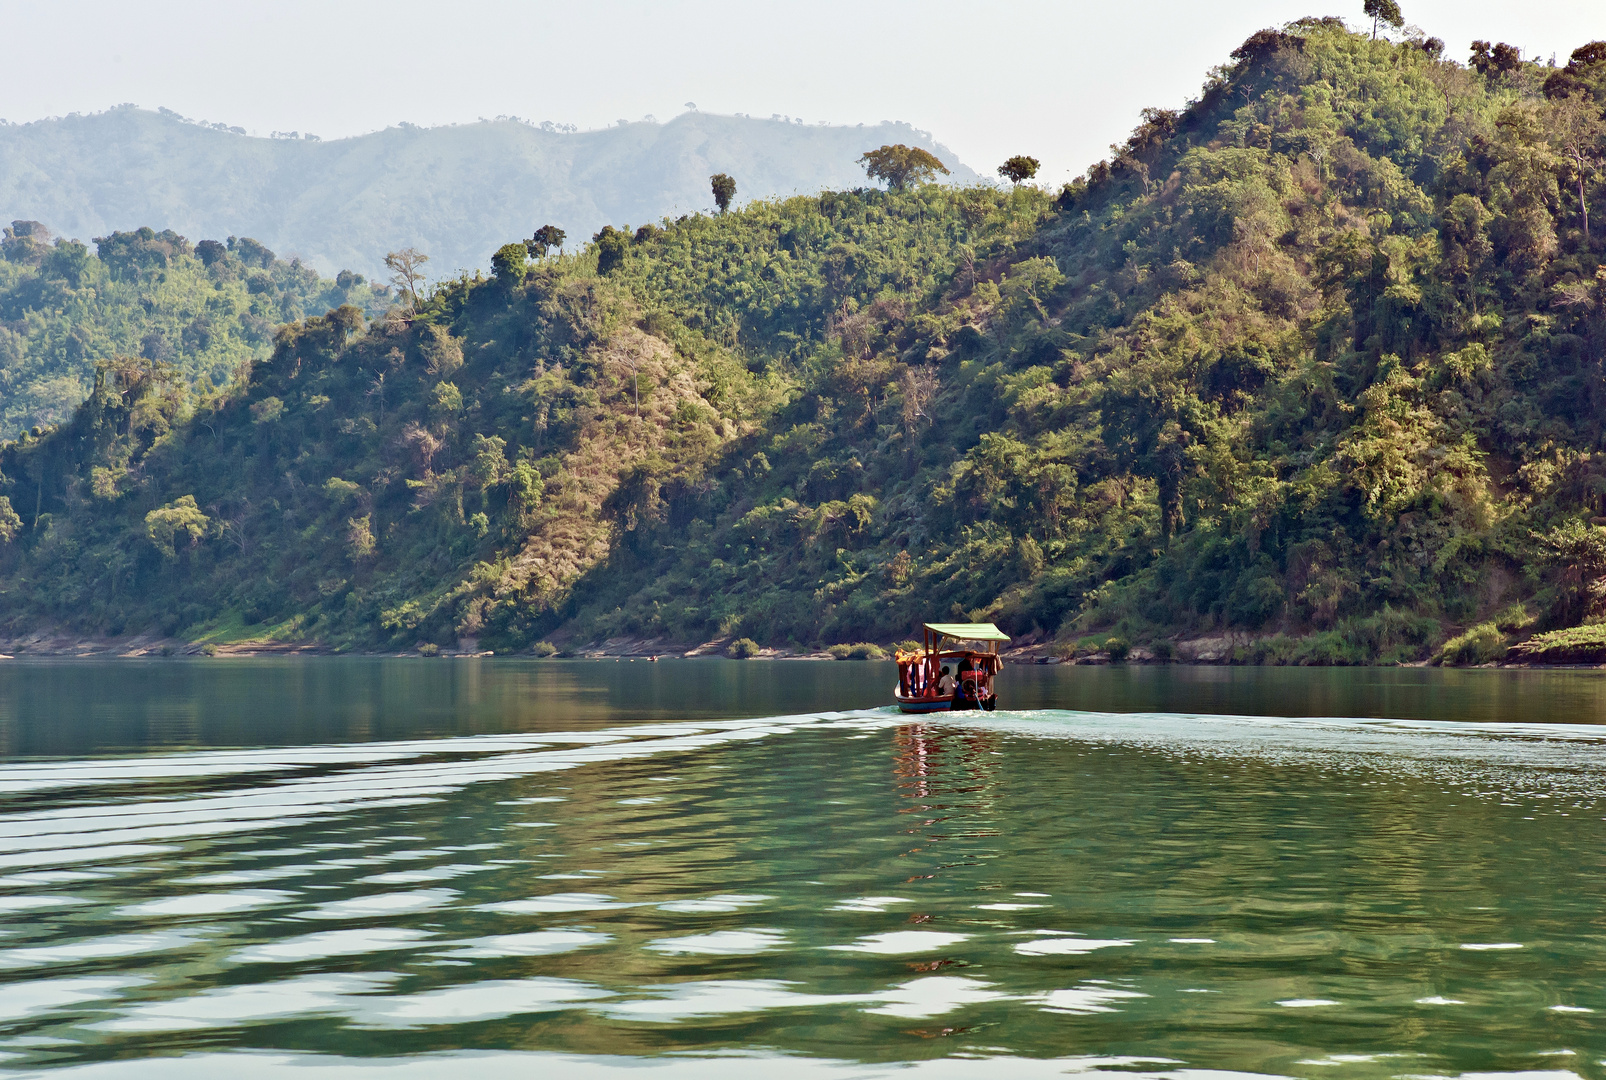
[199, 311]
[457, 192]
[1316, 358]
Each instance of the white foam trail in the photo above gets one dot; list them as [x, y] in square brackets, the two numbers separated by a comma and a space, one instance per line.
[1521, 759]
[374, 775]
[35, 776]
[377, 775]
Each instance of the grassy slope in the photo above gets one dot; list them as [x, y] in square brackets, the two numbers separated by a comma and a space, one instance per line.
[1316, 359]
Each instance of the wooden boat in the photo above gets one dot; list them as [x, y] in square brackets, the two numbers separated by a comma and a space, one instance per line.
[969, 651]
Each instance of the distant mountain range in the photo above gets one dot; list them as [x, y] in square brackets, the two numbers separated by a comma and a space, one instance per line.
[456, 193]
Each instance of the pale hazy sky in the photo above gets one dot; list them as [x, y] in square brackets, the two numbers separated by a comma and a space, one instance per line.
[1058, 80]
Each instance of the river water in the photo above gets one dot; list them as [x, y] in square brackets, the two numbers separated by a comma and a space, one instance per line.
[418, 868]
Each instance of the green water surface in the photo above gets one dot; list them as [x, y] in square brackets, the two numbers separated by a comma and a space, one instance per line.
[336, 867]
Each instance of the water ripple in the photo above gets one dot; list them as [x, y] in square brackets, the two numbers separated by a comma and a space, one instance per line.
[838, 894]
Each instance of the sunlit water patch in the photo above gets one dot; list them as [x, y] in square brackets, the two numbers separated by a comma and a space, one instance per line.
[839, 894]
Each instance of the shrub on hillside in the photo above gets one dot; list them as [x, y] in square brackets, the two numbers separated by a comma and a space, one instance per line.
[861, 651]
[1574, 645]
[1479, 645]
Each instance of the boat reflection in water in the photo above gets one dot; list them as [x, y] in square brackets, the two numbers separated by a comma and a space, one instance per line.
[953, 670]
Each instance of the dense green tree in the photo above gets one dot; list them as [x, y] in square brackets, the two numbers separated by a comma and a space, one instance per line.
[611, 244]
[900, 165]
[724, 190]
[547, 238]
[1494, 60]
[25, 242]
[247, 251]
[1019, 168]
[211, 252]
[1585, 73]
[179, 520]
[509, 263]
[146, 251]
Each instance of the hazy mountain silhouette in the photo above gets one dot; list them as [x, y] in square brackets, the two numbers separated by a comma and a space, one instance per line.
[455, 192]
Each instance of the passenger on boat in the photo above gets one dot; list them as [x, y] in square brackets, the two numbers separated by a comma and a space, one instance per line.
[945, 685]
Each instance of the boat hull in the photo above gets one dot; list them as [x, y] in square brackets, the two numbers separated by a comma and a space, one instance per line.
[924, 705]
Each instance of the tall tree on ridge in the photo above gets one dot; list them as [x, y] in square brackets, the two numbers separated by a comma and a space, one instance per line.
[724, 190]
[1019, 168]
[1384, 11]
[901, 165]
[407, 273]
[546, 238]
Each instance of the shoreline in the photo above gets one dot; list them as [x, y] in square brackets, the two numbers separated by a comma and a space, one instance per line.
[1199, 652]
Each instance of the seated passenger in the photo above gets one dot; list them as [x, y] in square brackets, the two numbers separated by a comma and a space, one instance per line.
[945, 685]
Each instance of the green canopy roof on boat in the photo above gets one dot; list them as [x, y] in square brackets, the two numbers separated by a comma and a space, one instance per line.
[968, 631]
